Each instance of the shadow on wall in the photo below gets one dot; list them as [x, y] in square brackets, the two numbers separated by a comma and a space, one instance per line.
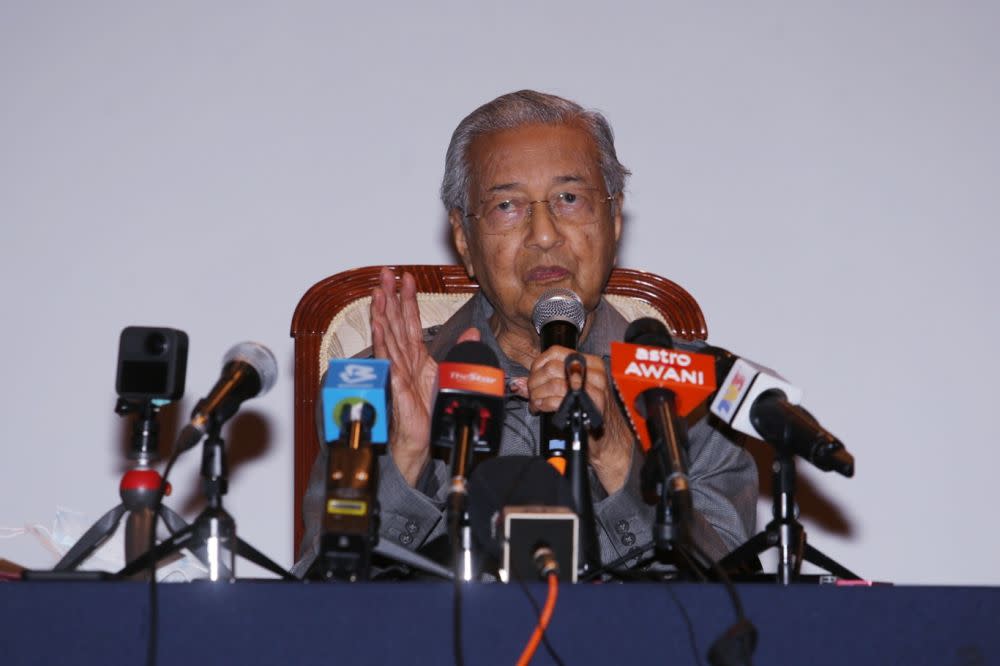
[813, 504]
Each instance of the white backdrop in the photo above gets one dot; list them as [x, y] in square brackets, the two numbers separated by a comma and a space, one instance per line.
[823, 177]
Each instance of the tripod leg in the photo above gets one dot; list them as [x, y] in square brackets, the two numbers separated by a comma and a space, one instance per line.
[170, 546]
[819, 559]
[248, 552]
[744, 558]
[91, 539]
[175, 524]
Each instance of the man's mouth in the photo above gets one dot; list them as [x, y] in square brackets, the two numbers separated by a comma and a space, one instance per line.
[547, 274]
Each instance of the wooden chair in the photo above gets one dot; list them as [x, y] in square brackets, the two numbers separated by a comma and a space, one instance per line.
[331, 321]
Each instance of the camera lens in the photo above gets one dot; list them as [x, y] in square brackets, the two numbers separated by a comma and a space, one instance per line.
[156, 344]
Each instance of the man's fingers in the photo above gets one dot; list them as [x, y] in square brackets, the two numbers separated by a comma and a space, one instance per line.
[413, 332]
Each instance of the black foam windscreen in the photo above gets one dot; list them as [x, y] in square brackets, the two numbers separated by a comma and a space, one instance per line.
[511, 481]
[474, 353]
[648, 331]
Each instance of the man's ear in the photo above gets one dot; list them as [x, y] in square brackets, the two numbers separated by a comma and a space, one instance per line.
[461, 240]
[616, 221]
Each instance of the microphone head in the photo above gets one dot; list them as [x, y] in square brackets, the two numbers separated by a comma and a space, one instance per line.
[648, 331]
[470, 386]
[558, 305]
[474, 352]
[258, 357]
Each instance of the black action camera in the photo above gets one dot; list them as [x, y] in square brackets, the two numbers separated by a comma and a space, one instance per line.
[152, 363]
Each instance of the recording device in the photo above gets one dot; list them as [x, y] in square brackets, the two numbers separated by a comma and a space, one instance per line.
[468, 415]
[248, 370]
[518, 505]
[757, 402]
[353, 393]
[558, 317]
[152, 364]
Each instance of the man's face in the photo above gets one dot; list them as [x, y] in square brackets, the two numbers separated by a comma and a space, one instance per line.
[529, 164]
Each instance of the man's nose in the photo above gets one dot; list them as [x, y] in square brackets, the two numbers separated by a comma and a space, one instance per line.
[543, 229]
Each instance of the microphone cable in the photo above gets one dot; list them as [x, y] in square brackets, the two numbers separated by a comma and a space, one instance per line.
[151, 644]
[543, 619]
[737, 644]
[538, 615]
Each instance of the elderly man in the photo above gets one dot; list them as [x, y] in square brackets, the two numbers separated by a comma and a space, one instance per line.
[534, 193]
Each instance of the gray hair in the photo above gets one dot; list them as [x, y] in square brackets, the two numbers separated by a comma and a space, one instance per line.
[516, 109]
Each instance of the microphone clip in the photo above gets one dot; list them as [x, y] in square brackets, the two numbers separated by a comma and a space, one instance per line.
[577, 409]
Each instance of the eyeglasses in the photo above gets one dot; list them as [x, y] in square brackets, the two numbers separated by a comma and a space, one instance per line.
[572, 206]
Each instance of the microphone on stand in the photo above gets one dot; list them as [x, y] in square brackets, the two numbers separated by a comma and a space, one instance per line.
[355, 416]
[757, 402]
[249, 369]
[658, 385]
[467, 417]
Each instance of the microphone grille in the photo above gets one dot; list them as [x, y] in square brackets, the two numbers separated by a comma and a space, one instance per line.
[558, 305]
[258, 357]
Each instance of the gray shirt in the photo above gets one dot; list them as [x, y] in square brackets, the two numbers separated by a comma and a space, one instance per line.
[722, 474]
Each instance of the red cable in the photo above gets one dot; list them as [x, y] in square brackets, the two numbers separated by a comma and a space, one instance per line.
[543, 621]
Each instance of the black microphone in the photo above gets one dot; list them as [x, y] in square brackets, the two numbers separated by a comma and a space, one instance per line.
[248, 370]
[665, 465]
[468, 416]
[756, 401]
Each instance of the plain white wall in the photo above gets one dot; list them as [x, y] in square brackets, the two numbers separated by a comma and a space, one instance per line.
[823, 177]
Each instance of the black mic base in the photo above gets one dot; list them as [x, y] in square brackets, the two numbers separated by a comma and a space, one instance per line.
[342, 557]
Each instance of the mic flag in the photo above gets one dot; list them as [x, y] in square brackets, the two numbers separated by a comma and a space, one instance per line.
[469, 378]
[636, 368]
[352, 382]
[745, 382]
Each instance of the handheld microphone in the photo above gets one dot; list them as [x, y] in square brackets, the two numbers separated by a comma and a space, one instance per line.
[558, 317]
[757, 402]
[355, 404]
[468, 414]
[248, 370]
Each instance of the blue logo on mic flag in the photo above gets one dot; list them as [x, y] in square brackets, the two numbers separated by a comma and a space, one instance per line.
[349, 381]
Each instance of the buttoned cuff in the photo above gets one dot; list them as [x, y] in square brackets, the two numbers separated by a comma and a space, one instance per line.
[408, 516]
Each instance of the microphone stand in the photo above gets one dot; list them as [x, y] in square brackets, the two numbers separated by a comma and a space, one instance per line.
[784, 532]
[214, 530]
[578, 414]
[138, 489]
[350, 523]
[458, 495]
[666, 470]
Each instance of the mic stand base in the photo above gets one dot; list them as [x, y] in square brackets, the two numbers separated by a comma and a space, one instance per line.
[195, 538]
[785, 533]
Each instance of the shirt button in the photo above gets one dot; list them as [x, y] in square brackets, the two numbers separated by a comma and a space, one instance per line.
[622, 526]
[405, 538]
[411, 527]
[628, 539]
